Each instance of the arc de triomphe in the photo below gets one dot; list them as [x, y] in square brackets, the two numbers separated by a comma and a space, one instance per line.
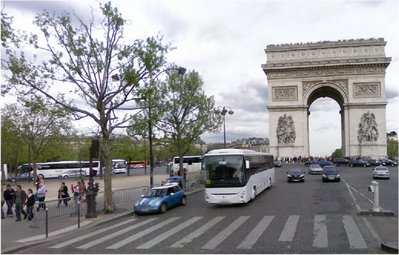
[352, 72]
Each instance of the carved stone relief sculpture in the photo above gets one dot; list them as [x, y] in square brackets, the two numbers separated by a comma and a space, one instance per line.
[367, 131]
[285, 93]
[286, 129]
[367, 89]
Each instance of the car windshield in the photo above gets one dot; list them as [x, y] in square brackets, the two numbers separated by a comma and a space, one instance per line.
[315, 166]
[224, 170]
[381, 169]
[295, 171]
[156, 192]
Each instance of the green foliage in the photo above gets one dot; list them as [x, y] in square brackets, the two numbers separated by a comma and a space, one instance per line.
[180, 111]
[392, 148]
[337, 153]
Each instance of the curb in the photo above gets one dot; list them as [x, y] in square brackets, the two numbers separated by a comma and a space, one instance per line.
[391, 247]
[94, 224]
[382, 213]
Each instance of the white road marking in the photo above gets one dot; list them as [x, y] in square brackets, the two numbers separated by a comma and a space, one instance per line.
[219, 238]
[355, 238]
[79, 238]
[54, 233]
[288, 233]
[181, 243]
[114, 234]
[320, 232]
[168, 233]
[141, 234]
[254, 235]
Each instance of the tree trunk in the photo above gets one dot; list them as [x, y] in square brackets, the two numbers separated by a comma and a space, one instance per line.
[107, 161]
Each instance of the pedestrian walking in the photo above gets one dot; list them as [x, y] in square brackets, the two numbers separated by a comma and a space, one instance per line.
[39, 180]
[2, 202]
[30, 203]
[76, 191]
[82, 190]
[41, 195]
[63, 194]
[8, 195]
[19, 200]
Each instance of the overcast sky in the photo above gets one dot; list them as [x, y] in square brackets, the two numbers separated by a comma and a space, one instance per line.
[225, 40]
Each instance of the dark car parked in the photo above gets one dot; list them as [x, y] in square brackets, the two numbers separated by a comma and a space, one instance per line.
[374, 162]
[296, 174]
[341, 161]
[388, 162]
[358, 162]
[330, 173]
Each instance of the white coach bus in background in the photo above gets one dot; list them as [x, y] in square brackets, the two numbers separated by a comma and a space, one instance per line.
[190, 163]
[236, 175]
[66, 169]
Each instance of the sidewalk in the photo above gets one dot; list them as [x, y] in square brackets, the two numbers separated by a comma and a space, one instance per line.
[18, 235]
[383, 228]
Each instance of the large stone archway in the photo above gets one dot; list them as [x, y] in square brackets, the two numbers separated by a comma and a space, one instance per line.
[352, 72]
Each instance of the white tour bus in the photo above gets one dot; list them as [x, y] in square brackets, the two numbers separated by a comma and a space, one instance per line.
[236, 175]
[191, 163]
[66, 169]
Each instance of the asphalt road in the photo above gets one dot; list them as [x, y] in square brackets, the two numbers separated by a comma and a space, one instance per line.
[309, 217]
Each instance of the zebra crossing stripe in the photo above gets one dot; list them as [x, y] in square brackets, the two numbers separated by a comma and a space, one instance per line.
[254, 235]
[219, 238]
[77, 239]
[355, 238]
[289, 229]
[168, 233]
[197, 233]
[320, 232]
[141, 234]
[115, 234]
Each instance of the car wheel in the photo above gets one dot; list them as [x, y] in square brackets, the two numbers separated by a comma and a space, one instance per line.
[338, 180]
[65, 177]
[183, 201]
[163, 208]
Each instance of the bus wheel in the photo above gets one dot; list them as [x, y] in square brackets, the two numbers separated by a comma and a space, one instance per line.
[270, 183]
[253, 193]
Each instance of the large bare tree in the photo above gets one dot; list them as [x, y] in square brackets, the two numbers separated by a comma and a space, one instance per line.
[77, 57]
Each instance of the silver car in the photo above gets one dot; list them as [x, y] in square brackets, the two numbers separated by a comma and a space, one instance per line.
[380, 172]
[315, 169]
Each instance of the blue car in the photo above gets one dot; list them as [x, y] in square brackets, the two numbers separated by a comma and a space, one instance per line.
[160, 199]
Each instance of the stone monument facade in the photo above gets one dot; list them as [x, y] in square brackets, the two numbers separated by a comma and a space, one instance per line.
[352, 72]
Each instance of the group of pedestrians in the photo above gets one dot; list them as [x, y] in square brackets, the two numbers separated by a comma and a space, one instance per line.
[20, 198]
[24, 202]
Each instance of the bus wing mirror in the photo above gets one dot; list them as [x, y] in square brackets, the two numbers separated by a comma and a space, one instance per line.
[247, 166]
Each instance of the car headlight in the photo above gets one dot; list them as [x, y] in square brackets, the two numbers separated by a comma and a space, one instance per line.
[337, 175]
[324, 175]
[302, 175]
[288, 175]
[137, 204]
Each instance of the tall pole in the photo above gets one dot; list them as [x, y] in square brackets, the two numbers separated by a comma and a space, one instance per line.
[151, 151]
[224, 130]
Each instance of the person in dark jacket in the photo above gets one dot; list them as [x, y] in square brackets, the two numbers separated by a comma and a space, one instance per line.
[8, 195]
[63, 194]
[30, 203]
[19, 199]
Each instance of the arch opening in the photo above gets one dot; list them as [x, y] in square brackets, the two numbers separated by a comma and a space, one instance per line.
[325, 121]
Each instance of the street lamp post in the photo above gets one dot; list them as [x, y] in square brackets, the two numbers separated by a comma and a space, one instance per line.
[224, 110]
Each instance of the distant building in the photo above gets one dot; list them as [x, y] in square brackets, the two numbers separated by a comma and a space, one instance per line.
[253, 143]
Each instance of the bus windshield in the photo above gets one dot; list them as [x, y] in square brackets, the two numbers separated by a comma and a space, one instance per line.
[224, 171]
